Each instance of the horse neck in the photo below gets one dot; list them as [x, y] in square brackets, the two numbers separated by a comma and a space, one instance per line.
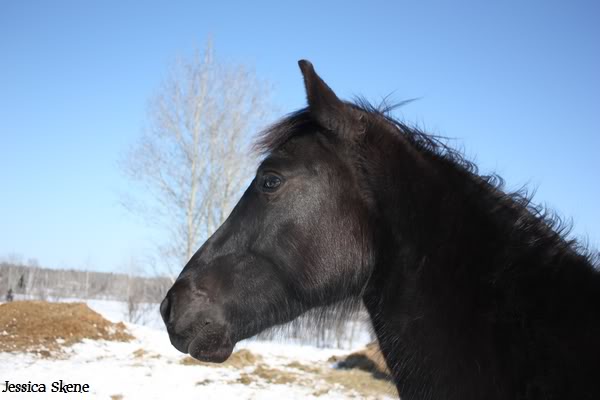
[420, 203]
[432, 211]
[446, 245]
[428, 242]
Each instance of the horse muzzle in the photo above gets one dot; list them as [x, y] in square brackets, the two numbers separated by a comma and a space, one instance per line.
[196, 326]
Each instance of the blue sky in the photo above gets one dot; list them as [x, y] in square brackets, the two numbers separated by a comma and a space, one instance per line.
[516, 83]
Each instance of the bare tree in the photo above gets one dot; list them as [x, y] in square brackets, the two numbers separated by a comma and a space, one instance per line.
[193, 159]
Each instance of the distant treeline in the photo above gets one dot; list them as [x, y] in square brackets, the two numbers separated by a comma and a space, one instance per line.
[53, 284]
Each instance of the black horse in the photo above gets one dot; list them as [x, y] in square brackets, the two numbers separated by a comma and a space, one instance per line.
[473, 292]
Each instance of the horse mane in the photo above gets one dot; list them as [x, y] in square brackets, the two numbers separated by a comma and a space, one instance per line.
[534, 224]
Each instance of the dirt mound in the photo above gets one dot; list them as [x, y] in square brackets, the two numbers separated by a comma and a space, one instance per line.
[369, 359]
[45, 328]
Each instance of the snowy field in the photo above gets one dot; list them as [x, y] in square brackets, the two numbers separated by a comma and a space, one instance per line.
[150, 368]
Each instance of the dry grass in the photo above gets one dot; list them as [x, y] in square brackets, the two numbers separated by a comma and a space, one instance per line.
[364, 371]
[303, 367]
[140, 354]
[239, 359]
[46, 328]
[361, 382]
[369, 360]
[275, 376]
[264, 374]
[353, 374]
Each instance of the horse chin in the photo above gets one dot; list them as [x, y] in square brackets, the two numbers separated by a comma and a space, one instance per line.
[211, 345]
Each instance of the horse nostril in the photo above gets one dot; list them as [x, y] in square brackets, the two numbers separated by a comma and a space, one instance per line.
[165, 309]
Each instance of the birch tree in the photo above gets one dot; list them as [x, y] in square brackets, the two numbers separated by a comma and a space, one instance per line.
[193, 158]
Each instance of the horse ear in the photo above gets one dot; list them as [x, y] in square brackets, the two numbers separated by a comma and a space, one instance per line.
[323, 105]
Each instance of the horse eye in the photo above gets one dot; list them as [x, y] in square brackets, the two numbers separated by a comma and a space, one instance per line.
[271, 183]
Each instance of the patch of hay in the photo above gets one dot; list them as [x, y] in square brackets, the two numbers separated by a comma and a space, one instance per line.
[303, 367]
[363, 373]
[192, 361]
[369, 360]
[143, 354]
[245, 379]
[275, 376]
[139, 353]
[46, 328]
[239, 359]
[243, 358]
[321, 392]
[361, 382]
[352, 381]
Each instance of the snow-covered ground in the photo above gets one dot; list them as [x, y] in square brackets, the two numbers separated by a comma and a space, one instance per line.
[150, 368]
